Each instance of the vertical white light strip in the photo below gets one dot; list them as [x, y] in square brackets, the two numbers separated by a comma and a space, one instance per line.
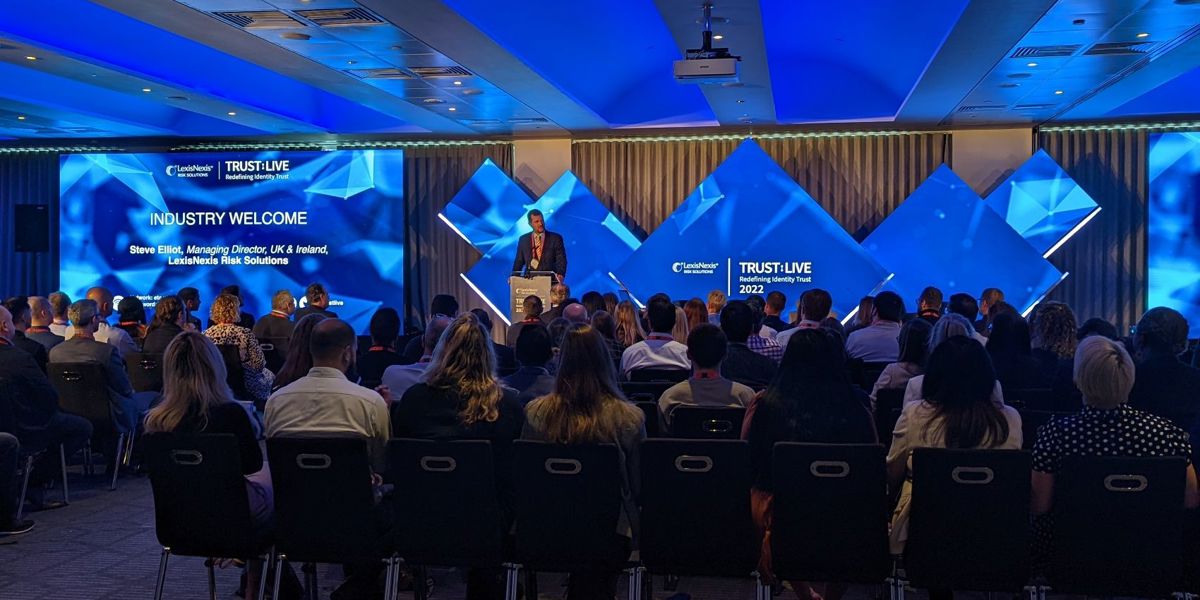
[728, 277]
[1072, 233]
[453, 228]
[1025, 314]
[502, 316]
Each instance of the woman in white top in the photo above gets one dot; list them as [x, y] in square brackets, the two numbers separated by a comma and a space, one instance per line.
[957, 412]
[914, 349]
[949, 326]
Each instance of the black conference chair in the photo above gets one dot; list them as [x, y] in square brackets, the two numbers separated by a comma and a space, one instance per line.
[235, 373]
[447, 508]
[1030, 398]
[200, 503]
[707, 423]
[1031, 420]
[650, 411]
[695, 498]
[145, 371]
[668, 375]
[324, 504]
[28, 454]
[888, 404]
[969, 526]
[275, 351]
[644, 391]
[831, 513]
[568, 503]
[864, 374]
[1118, 527]
[83, 390]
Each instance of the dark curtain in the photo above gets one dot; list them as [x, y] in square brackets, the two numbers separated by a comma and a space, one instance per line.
[858, 179]
[436, 256]
[27, 178]
[1107, 258]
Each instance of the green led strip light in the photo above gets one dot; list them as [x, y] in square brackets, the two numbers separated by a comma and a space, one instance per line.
[1123, 127]
[735, 137]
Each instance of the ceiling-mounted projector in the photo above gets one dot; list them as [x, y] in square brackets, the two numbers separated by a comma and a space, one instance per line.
[707, 64]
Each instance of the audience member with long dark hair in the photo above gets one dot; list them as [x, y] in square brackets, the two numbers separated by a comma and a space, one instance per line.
[1012, 355]
[810, 400]
[587, 407]
[956, 411]
[606, 325]
[170, 319]
[299, 357]
[914, 340]
[131, 316]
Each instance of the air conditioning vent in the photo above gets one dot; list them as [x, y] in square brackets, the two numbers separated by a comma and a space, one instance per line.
[1120, 49]
[440, 72]
[528, 120]
[1046, 51]
[340, 17]
[385, 73]
[485, 122]
[259, 19]
[981, 108]
[1033, 107]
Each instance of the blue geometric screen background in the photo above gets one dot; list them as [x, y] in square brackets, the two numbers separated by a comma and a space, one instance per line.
[354, 205]
[1042, 203]
[1174, 230]
[486, 207]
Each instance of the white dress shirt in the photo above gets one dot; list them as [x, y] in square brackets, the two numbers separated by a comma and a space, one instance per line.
[657, 351]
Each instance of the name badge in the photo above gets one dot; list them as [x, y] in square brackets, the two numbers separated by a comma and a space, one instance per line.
[533, 264]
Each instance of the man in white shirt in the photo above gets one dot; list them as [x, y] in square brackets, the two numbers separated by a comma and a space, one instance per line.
[59, 303]
[398, 378]
[113, 336]
[324, 402]
[659, 350]
[815, 305]
[879, 341]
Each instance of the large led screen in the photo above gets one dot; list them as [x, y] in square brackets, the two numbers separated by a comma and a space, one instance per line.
[150, 224]
[1174, 230]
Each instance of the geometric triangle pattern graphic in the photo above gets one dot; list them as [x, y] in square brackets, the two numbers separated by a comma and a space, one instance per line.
[487, 207]
[1042, 203]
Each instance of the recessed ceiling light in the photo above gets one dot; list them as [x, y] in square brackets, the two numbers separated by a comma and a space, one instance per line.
[741, 101]
[1032, 64]
[30, 58]
[177, 98]
[147, 90]
[1143, 35]
[1058, 92]
[718, 37]
[452, 109]
[433, 101]
[457, 83]
[352, 62]
[231, 113]
[21, 118]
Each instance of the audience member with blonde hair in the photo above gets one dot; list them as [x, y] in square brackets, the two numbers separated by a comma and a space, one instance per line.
[696, 311]
[681, 329]
[629, 326]
[225, 315]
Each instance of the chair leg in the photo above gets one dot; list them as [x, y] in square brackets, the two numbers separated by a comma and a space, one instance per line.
[128, 449]
[162, 573]
[310, 581]
[280, 565]
[24, 487]
[87, 459]
[212, 579]
[511, 571]
[119, 451]
[62, 457]
[391, 575]
[266, 568]
[531, 585]
[634, 591]
[761, 590]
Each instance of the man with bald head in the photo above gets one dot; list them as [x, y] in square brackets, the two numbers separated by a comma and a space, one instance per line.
[113, 336]
[325, 403]
[575, 313]
[41, 316]
[398, 378]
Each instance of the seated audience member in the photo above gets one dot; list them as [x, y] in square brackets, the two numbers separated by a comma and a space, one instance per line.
[318, 302]
[776, 304]
[1106, 426]
[914, 349]
[575, 313]
[696, 312]
[862, 317]
[815, 305]
[988, 299]
[10, 449]
[398, 378]
[131, 317]
[40, 319]
[532, 306]
[965, 305]
[759, 341]
[1097, 326]
[1165, 386]
[506, 362]
[877, 343]
[610, 303]
[278, 323]
[558, 329]
[680, 331]
[324, 402]
[59, 303]
[190, 297]
[534, 351]
[593, 302]
[19, 313]
[32, 404]
[587, 407]
[811, 401]
[949, 326]
[126, 407]
[170, 319]
[225, 331]
[706, 387]
[758, 304]
[929, 305]
[957, 412]
[559, 294]
[715, 304]
[604, 323]
[659, 350]
[1052, 330]
[299, 357]
[629, 326]
[384, 329]
[245, 319]
[1012, 355]
[742, 364]
[442, 305]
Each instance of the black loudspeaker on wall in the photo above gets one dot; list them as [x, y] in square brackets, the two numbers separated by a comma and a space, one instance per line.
[32, 227]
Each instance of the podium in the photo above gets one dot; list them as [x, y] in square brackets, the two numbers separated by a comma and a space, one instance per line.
[532, 283]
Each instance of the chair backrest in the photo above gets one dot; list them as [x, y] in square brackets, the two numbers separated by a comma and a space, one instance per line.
[275, 351]
[830, 513]
[1031, 420]
[695, 517]
[446, 506]
[1118, 526]
[324, 501]
[1030, 398]
[650, 411]
[670, 375]
[145, 371]
[644, 391]
[568, 502]
[200, 502]
[235, 374]
[83, 390]
[969, 527]
[364, 344]
[707, 423]
[870, 374]
[887, 402]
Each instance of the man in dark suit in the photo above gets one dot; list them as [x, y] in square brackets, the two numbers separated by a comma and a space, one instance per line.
[190, 297]
[318, 302]
[541, 250]
[277, 323]
[40, 318]
[1163, 384]
[19, 313]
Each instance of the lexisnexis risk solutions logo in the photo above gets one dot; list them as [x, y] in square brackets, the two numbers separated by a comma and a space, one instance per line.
[190, 171]
[695, 268]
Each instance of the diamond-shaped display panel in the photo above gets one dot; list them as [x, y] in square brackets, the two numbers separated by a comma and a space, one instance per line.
[1041, 202]
[487, 207]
